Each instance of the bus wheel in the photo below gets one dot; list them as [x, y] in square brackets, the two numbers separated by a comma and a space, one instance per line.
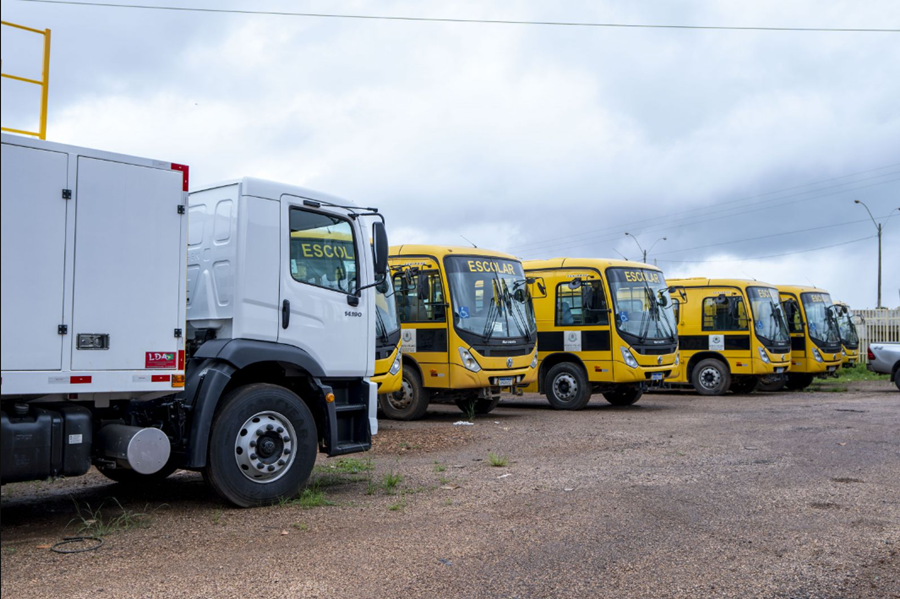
[481, 406]
[799, 382]
[744, 385]
[771, 382]
[409, 403]
[897, 380]
[711, 377]
[262, 445]
[567, 387]
[624, 395]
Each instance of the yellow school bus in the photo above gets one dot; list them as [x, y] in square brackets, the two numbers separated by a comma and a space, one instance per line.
[604, 326]
[468, 328]
[388, 362]
[815, 335]
[849, 335]
[731, 333]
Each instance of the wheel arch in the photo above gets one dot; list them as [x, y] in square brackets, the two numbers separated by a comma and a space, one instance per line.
[699, 357]
[554, 359]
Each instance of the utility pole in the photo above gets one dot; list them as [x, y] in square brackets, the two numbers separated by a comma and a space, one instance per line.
[878, 227]
[643, 251]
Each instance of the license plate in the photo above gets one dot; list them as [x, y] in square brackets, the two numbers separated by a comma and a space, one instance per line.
[779, 370]
[506, 381]
[656, 376]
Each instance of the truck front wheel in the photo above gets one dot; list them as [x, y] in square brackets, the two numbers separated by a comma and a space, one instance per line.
[410, 402]
[262, 445]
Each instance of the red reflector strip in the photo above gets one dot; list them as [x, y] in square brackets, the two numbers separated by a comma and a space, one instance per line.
[79, 380]
[184, 171]
[180, 359]
[160, 378]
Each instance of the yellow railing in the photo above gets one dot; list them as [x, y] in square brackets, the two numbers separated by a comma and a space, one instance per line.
[44, 81]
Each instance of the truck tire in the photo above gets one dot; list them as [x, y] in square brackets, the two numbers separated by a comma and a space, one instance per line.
[771, 383]
[624, 395]
[711, 377]
[744, 385]
[128, 477]
[566, 387]
[798, 382]
[262, 445]
[410, 402]
[482, 406]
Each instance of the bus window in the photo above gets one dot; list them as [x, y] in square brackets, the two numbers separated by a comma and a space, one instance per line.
[422, 300]
[583, 306]
[728, 315]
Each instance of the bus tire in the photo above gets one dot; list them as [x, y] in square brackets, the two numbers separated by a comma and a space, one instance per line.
[566, 387]
[624, 395]
[410, 402]
[711, 377]
[771, 383]
[744, 385]
[280, 435]
[482, 406]
[798, 382]
[897, 380]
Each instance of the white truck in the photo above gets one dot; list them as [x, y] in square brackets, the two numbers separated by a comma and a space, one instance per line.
[145, 329]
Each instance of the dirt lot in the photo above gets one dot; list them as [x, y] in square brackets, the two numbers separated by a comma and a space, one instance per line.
[786, 495]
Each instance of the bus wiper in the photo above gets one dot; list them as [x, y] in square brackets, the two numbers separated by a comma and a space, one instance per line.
[493, 312]
[383, 328]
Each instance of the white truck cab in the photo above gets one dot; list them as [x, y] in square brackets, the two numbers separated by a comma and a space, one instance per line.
[146, 329]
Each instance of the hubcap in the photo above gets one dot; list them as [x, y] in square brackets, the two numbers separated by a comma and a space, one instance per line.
[401, 399]
[565, 387]
[710, 378]
[264, 447]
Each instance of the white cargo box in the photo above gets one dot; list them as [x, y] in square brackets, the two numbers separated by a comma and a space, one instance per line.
[93, 270]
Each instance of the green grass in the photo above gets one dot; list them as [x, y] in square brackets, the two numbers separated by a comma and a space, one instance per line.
[309, 498]
[347, 466]
[390, 481]
[438, 467]
[396, 507]
[10, 550]
[97, 523]
[858, 373]
[300, 526]
[217, 517]
[498, 461]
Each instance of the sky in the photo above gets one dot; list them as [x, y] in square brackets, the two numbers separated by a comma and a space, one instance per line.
[744, 149]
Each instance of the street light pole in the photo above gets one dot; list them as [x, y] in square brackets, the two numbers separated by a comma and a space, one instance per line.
[878, 227]
[643, 251]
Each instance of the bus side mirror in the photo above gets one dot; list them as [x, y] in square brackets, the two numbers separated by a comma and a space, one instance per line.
[575, 283]
[538, 287]
[721, 299]
[380, 249]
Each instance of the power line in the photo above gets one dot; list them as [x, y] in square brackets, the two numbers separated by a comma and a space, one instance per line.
[678, 224]
[718, 208]
[816, 249]
[318, 15]
[702, 247]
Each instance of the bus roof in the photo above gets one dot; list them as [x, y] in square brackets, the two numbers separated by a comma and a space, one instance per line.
[598, 263]
[440, 251]
[798, 289]
[705, 282]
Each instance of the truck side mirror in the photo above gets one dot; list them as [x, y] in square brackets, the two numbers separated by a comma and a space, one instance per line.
[380, 249]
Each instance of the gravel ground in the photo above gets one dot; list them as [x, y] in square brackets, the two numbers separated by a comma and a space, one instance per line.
[793, 495]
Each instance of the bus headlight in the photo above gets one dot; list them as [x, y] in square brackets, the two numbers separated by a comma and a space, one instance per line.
[677, 358]
[817, 355]
[763, 355]
[844, 352]
[628, 357]
[398, 362]
[534, 360]
[468, 361]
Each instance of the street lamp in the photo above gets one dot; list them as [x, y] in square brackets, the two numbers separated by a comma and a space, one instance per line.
[645, 252]
[878, 227]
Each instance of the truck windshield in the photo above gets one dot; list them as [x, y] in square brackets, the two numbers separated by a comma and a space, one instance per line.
[490, 297]
[849, 336]
[642, 304]
[820, 317]
[768, 318]
[387, 319]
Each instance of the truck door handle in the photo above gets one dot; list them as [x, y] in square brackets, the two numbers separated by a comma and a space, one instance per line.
[285, 314]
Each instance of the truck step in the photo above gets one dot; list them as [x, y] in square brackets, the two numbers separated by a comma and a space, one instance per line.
[344, 408]
[345, 448]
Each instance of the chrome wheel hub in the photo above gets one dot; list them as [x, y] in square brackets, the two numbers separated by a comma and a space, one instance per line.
[401, 399]
[565, 387]
[710, 378]
[264, 447]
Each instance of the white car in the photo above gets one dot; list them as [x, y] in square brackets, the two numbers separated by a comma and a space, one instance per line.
[884, 358]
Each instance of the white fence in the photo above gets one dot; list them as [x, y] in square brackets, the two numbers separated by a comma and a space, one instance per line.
[876, 326]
